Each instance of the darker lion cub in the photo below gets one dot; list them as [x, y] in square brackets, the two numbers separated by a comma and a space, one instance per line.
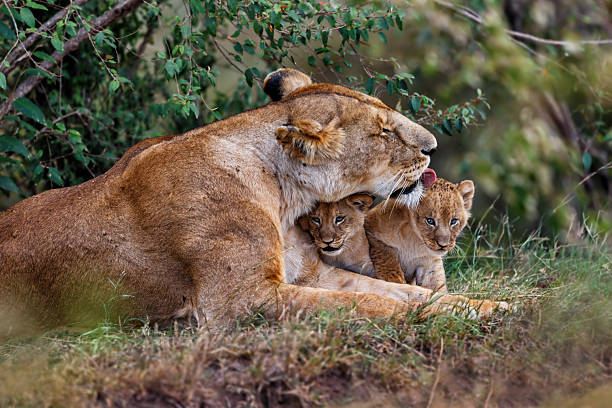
[337, 231]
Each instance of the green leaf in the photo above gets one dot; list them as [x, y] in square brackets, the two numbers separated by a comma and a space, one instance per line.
[8, 184]
[114, 85]
[382, 23]
[383, 37]
[324, 37]
[57, 44]
[6, 32]
[415, 103]
[43, 56]
[587, 161]
[211, 26]
[37, 172]
[312, 61]
[55, 176]
[2, 81]
[29, 109]
[458, 125]
[12, 144]
[170, 68]
[27, 16]
[447, 127]
[36, 72]
[36, 6]
[249, 76]
[369, 86]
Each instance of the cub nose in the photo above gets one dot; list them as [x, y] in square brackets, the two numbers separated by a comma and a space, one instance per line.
[327, 240]
[443, 243]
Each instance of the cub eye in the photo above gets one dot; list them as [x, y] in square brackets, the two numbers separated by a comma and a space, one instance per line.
[386, 130]
[316, 220]
[339, 220]
[454, 221]
[430, 221]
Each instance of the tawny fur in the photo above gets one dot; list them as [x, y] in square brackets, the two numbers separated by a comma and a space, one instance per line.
[348, 237]
[202, 225]
[405, 247]
[337, 232]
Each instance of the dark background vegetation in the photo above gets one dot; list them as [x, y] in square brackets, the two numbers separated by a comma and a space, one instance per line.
[518, 92]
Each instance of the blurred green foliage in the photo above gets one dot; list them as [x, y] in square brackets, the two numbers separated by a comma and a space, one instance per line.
[164, 67]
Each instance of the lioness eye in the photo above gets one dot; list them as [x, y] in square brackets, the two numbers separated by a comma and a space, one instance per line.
[430, 221]
[453, 221]
[339, 220]
[316, 220]
[385, 130]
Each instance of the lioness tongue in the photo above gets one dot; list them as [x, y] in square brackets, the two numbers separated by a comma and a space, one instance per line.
[428, 177]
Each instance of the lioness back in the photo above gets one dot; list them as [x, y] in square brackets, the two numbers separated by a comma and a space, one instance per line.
[407, 245]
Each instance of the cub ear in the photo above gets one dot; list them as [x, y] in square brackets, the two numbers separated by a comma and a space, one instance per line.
[360, 201]
[303, 223]
[310, 142]
[466, 189]
[282, 82]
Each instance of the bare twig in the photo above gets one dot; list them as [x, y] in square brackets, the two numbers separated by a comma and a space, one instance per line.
[17, 56]
[97, 25]
[227, 58]
[475, 17]
[28, 55]
[141, 49]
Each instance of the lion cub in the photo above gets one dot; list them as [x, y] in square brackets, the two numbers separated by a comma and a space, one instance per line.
[407, 245]
[337, 230]
[397, 244]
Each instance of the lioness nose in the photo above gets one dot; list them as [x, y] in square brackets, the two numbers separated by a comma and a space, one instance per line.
[429, 152]
[327, 240]
[426, 141]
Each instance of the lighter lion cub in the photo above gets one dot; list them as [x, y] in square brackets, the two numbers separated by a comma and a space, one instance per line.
[407, 245]
[398, 244]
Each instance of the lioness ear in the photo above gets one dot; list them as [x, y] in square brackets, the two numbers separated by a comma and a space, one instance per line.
[310, 142]
[360, 201]
[466, 189]
[303, 223]
[282, 82]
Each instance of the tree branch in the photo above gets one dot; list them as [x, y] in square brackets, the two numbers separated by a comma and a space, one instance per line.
[99, 24]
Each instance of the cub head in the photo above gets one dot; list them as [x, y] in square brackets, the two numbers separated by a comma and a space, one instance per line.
[355, 140]
[443, 212]
[331, 224]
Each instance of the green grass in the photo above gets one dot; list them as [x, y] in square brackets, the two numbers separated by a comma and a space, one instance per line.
[557, 344]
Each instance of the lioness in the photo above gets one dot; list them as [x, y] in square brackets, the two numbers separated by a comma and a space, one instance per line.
[202, 224]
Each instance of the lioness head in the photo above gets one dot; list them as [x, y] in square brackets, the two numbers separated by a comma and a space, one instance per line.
[443, 212]
[331, 224]
[347, 141]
